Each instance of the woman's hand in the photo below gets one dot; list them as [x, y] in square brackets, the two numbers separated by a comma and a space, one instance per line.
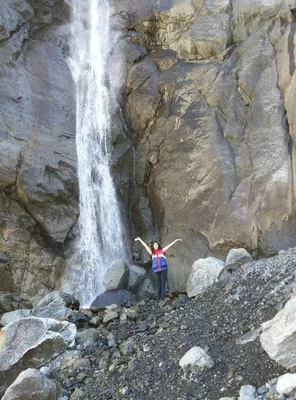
[179, 240]
[136, 239]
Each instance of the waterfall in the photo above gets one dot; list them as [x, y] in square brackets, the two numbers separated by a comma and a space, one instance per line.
[100, 241]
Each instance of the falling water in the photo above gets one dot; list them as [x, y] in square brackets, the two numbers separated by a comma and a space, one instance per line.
[100, 227]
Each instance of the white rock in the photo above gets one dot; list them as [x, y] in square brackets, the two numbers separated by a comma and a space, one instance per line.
[247, 392]
[204, 273]
[278, 336]
[196, 357]
[236, 258]
[286, 383]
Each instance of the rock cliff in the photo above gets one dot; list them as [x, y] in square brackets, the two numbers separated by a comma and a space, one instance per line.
[210, 93]
[39, 197]
[208, 100]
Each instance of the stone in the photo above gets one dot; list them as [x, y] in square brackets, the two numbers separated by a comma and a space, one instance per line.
[95, 321]
[110, 316]
[278, 336]
[236, 258]
[31, 342]
[196, 357]
[286, 383]
[55, 305]
[32, 384]
[205, 272]
[118, 297]
[247, 392]
[87, 337]
[77, 394]
[116, 276]
[11, 316]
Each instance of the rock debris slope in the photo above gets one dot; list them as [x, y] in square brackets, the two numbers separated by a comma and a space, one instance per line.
[135, 354]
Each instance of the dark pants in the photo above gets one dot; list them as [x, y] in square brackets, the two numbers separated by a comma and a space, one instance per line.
[161, 279]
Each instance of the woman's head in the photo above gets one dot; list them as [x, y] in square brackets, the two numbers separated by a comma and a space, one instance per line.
[155, 246]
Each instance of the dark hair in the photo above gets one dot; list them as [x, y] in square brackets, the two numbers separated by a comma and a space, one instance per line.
[152, 243]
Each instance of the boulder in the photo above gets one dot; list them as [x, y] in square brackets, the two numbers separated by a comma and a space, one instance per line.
[205, 272]
[136, 276]
[278, 336]
[30, 343]
[286, 383]
[55, 305]
[236, 258]
[32, 384]
[119, 297]
[196, 357]
[11, 316]
[116, 276]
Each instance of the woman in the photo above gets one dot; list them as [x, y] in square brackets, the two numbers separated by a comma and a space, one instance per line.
[159, 264]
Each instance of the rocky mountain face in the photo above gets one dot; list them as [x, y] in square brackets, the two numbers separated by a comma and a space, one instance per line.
[208, 100]
[39, 196]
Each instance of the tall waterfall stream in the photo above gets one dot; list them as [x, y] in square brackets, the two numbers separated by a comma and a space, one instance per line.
[100, 228]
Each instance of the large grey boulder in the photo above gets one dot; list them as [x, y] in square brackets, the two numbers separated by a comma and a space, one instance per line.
[32, 384]
[119, 297]
[30, 343]
[204, 273]
[278, 337]
[236, 258]
[11, 316]
[116, 276]
[55, 305]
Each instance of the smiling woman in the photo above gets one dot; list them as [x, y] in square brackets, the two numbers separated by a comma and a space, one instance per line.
[159, 264]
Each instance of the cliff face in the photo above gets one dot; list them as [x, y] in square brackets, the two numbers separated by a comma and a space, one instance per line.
[209, 102]
[39, 197]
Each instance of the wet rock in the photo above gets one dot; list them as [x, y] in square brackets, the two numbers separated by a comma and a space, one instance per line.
[30, 383]
[204, 273]
[119, 297]
[31, 342]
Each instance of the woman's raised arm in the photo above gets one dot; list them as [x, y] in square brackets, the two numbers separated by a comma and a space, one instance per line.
[147, 248]
[169, 245]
